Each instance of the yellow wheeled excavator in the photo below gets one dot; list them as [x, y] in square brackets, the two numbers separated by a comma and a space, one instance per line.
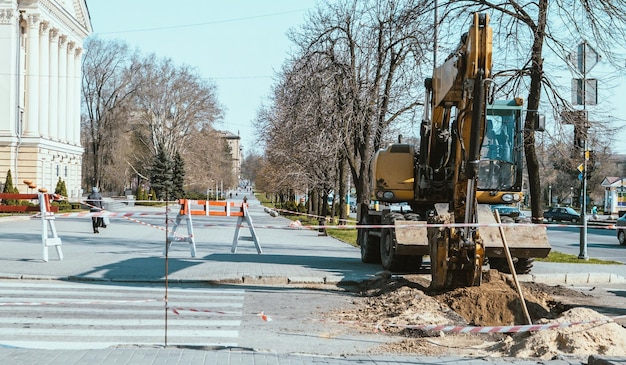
[470, 155]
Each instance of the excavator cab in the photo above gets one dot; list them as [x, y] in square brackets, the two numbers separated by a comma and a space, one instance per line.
[501, 155]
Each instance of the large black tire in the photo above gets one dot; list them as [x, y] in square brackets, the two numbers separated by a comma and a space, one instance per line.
[621, 237]
[370, 245]
[388, 257]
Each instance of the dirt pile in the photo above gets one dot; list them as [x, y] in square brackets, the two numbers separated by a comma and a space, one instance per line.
[496, 302]
[391, 304]
[602, 337]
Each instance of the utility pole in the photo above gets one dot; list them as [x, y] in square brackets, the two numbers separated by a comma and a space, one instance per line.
[584, 59]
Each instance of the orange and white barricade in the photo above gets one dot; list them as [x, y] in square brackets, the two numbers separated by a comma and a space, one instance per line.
[49, 235]
[212, 208]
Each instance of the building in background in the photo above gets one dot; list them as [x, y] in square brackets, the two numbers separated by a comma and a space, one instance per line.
[40, 82]
[234, 142]
[614, 195]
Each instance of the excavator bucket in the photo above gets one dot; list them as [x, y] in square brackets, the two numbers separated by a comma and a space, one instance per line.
[524, 241]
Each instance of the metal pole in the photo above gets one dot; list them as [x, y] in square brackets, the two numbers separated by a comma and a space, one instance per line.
[583, 215]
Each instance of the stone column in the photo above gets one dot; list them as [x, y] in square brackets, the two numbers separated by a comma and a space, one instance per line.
[53, 93]
[62, 91]
[44, 74]
[77, 95]
[69, 94]
[32, 79]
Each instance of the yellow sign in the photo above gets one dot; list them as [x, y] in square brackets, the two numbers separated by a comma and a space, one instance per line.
[586, 157]
[581, 168]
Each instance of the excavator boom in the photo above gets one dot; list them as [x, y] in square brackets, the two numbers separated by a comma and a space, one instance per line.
[443, 181]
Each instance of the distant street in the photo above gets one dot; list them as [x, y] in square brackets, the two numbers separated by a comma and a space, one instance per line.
[601, 242]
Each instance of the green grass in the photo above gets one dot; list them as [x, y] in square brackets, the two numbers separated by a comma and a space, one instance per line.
[347, 235]
[555, 256]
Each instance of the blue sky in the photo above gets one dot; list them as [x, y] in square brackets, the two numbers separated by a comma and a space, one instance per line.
[238, 44]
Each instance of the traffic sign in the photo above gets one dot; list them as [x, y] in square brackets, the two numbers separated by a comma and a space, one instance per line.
[580, 176]
[587, 57]
[581, 168]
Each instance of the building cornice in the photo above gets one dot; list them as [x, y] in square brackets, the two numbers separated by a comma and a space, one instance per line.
[62, 16]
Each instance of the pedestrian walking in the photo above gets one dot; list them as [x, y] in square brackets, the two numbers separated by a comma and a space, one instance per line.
[95, 201]
[594, 212]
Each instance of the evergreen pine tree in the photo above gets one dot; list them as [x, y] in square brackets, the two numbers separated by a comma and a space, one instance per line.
[141, 194]
[8, 183]
[9, 188]
[178, 170]
[61, 188]
[161, 175]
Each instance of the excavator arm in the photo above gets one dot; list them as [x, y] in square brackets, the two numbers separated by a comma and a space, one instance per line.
[457, 96]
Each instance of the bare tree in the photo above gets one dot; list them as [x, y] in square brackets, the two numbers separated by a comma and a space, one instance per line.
[530, 30]
[204, 169]
[170, 103]
[357, 71]
[106, 94]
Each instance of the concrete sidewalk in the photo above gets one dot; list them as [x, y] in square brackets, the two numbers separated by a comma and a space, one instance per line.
[132, 250]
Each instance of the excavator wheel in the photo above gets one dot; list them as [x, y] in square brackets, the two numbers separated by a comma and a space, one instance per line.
[388, 257]
[370, 245]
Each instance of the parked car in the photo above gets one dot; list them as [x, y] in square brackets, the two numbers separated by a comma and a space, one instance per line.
[352, 206]
[510, 211]
[621, 230]
[564, 214]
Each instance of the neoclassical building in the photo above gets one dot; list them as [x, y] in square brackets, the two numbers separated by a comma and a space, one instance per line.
[40, 82]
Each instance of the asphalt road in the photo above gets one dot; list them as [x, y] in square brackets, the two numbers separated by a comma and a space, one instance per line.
[601, 242]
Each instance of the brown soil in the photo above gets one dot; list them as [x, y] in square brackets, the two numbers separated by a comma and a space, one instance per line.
[390, 304]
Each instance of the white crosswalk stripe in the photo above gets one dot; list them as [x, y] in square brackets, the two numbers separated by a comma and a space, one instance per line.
[65, 315]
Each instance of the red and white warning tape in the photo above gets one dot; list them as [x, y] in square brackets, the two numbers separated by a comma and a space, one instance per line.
[177, 310]
[500, 329]
[27, 304]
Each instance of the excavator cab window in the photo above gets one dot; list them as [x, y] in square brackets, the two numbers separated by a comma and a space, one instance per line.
[498, 140]
[498, 164]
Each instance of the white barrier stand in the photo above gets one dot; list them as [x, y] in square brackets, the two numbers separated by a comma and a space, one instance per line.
[47, 221]
[189, 238]
[248, 220]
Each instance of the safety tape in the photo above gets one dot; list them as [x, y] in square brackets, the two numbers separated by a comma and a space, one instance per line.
[497, 329]
[125, 215]
[27, 304]
[482, 329]
[298, 225]
[294, 225]
[177, 310]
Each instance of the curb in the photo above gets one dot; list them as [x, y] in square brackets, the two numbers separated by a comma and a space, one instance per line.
[574, 278]
[243, 280]
[548, 279]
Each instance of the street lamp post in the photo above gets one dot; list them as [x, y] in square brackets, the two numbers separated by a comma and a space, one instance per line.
[549, 195]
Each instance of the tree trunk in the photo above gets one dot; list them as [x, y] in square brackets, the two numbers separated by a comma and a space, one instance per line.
[343, 174]
[534, 96]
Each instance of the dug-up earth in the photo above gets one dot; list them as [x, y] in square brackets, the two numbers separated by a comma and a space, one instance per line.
[393, 304]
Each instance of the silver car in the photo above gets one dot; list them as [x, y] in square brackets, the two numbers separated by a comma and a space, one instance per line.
[621, 230]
